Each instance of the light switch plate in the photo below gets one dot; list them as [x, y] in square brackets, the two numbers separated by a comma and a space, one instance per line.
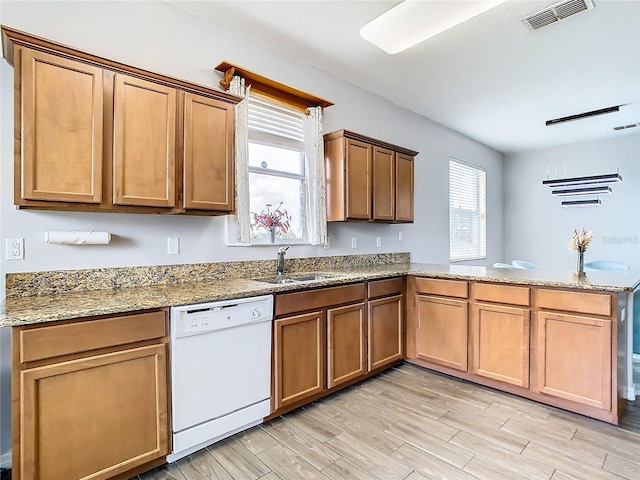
[378, 242]
[354, 242]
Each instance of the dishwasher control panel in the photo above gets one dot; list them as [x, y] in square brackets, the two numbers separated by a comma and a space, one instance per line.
[207, 317]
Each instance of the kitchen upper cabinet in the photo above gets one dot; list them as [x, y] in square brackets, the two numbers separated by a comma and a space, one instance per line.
[358, 180]
[90, 397]
[144, 143]
[97, 135]
[404, 188]
[59, 127]
[208, 154]
[367, 179]
[384, 184]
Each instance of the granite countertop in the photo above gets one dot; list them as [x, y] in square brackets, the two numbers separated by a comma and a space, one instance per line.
[45, 308]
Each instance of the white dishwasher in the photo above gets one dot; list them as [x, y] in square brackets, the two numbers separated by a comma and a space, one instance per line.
[220, 370]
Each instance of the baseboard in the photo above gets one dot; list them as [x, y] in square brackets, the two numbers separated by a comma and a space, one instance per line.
[5, 459]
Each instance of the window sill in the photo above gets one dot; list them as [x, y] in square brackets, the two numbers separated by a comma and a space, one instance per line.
[276, 244]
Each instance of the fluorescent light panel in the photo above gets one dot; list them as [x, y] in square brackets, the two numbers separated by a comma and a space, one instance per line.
[414, 21]
[595, 202]
[572, 192]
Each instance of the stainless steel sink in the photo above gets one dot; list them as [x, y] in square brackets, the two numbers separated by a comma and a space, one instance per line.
[311, 278]
[287, 280]
[278, 281]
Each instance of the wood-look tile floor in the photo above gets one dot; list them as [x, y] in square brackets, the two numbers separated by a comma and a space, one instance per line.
[409, 423]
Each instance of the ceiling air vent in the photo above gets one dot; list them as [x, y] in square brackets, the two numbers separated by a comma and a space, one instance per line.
[623, 127]
[556, 12]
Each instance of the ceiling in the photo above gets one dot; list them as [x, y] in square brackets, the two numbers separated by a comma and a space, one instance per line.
[488, 78]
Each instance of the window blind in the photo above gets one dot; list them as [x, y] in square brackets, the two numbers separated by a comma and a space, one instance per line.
[467, 211]
[269, 119]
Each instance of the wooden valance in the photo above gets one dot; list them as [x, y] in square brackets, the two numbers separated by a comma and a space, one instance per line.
[270, 88]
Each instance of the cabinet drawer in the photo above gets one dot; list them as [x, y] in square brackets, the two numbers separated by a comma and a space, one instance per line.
[54, 341]
[579, 302]
[488, 292]
[313, 299]
[383, 288]
[446, 288]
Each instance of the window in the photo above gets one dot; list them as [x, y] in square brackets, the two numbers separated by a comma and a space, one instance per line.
[277, 171]
[467, 212]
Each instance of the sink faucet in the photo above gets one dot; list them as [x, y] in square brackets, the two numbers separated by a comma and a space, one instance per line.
[280, 260]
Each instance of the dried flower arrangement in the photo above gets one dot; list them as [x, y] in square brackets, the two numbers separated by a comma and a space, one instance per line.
[276, 221]
[580, 240]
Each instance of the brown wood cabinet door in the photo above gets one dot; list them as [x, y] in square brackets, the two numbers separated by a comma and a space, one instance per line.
[144, 143]
[573, 358]
[385, 331]
[94, 417]
[442, 331]
[345, 344]
[404, 188]
[499, 343]
[208, 153]
[61, 129]
[358, 179]
[299, 358]
[384, 184]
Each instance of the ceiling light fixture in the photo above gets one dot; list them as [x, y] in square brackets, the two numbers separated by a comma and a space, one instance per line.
[580, 116]
[583, 181]
[414, 21]
[573, 192]
[582, 203]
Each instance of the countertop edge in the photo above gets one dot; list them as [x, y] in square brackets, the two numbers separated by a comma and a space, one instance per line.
[239, 288]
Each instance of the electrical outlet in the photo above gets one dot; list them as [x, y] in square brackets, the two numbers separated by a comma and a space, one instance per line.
[14, 249]
[400, 236]
[354, 242]
[378, 242]
[173, 245]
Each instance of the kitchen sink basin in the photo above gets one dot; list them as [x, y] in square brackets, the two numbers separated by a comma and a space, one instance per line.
[287, 280]
[279, 281]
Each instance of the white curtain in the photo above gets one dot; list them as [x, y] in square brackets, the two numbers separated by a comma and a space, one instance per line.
[316, 183]
[242, 216]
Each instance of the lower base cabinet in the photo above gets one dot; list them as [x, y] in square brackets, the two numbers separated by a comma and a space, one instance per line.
[442, 325]
[299, 358]
[328, 338]
[573, 359]
[385, 331]
[499, 343]
[93, 398]
[346, 353]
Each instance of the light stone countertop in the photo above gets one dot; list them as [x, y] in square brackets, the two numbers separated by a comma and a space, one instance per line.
[45, 308]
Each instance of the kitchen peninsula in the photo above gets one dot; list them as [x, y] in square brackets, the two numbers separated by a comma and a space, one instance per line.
[555, 337]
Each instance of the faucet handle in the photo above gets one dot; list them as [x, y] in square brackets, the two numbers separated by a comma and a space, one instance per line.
[283, 250]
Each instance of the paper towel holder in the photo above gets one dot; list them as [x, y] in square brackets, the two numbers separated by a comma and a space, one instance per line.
[77, 237]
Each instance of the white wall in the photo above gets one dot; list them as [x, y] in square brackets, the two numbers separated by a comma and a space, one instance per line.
[538, 229]
[159, 38]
